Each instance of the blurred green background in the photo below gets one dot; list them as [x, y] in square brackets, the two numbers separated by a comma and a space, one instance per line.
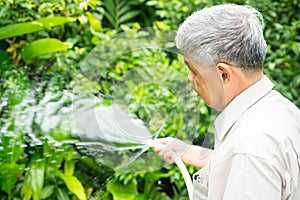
[43, 43]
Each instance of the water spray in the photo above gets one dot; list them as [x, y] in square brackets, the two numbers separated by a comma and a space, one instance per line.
[109, 129]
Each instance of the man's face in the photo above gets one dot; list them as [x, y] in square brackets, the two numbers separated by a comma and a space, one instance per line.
[207, 84]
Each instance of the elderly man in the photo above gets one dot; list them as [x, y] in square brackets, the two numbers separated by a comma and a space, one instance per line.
[257, 135]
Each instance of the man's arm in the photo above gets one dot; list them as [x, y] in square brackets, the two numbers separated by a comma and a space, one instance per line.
[197, 156]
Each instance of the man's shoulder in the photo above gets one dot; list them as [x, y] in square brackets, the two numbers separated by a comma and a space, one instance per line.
[274, 98]
[273, 110]
[270, 122]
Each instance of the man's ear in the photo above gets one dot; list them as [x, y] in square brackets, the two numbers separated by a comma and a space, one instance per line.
[225, 73]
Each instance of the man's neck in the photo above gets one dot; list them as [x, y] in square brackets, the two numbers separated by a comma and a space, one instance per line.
[243, 82]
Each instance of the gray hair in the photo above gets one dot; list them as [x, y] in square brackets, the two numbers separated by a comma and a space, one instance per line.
[225, 32]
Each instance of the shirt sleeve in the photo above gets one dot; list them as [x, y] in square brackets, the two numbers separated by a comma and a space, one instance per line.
[252, 178]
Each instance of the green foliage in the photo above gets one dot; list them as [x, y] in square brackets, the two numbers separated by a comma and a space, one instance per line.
[121, 191]
[34, 179]
[118, 12]
[282, 34]
[10, 153]
[174, 12]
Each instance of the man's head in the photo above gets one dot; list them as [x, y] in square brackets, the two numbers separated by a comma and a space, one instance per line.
[225, 50]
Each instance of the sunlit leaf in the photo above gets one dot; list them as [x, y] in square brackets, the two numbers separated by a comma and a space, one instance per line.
[13, 30]
[94, 22]
[73, 184]
[69, 167]
[41, 47]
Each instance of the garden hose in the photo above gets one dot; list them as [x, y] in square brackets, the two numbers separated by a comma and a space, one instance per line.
[182, 168]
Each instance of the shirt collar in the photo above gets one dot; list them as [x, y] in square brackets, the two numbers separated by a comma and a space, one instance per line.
[240, 104]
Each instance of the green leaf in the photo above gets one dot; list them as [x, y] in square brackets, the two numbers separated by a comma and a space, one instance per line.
[11, 147]
[69, 167]
[4, 11]
[152, 177]
[41, 47]
[13, 30]
[128, 16]
[47, 191]
[110, 18]
[124, 9]
[8, 175]
[34, 179]
[26, 191]
[94, 22]
[62, 194]
[73, 184]
[4, 57]
[110, 6]
[121, 191]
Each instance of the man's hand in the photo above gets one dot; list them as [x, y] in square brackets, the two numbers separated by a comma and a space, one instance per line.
[172, 149]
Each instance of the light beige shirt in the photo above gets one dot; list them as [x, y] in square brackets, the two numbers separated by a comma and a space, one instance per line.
[257, 149]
